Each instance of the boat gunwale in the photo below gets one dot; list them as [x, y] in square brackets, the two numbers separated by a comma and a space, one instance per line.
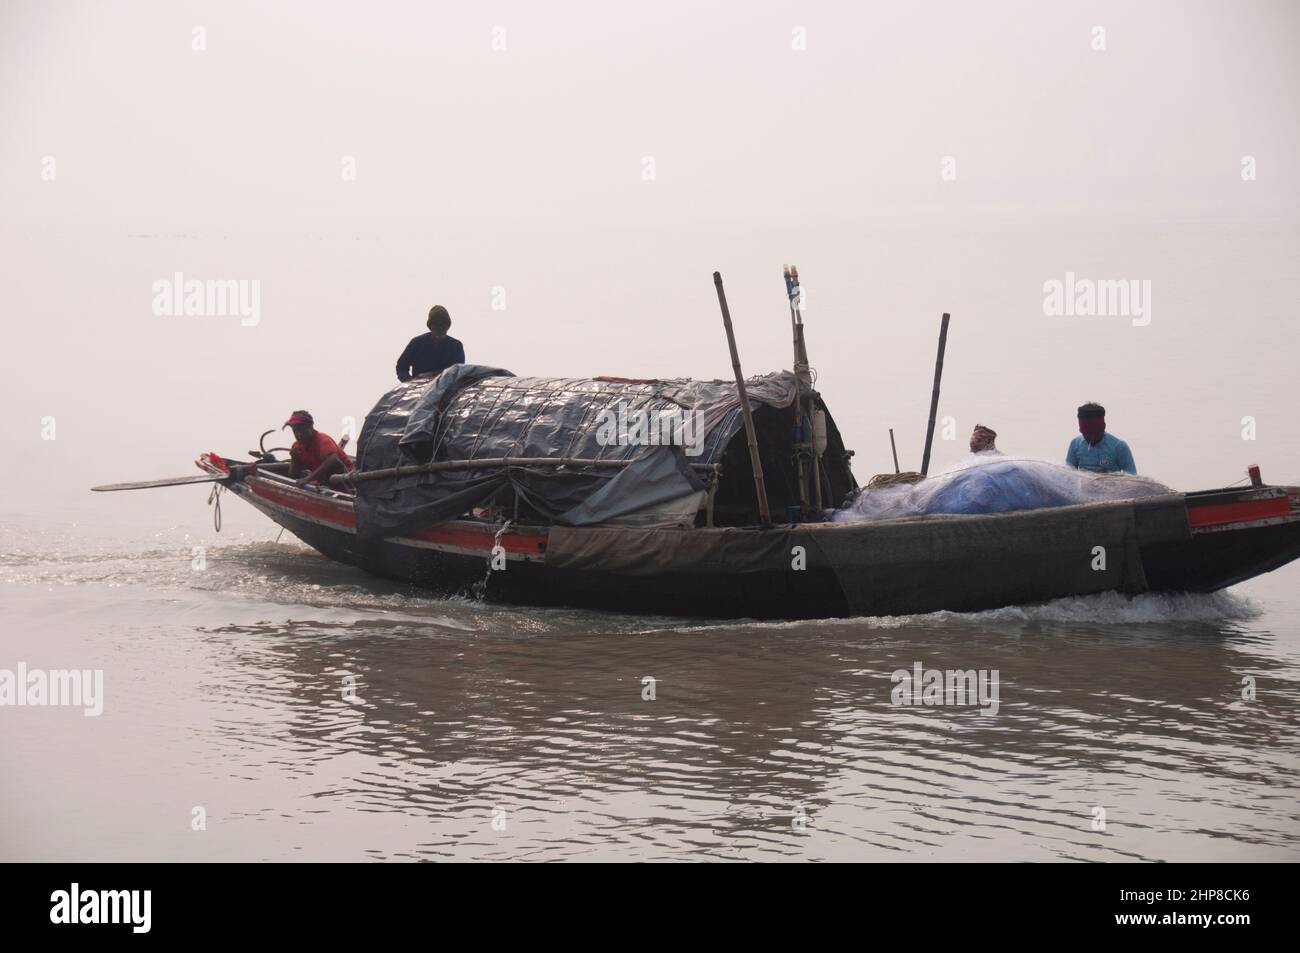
[343, 502]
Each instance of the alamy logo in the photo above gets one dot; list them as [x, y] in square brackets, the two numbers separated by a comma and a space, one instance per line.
[133, 907]
[937, 687]
[651, 428]
[1127, 298]
[56, 688]
[179, 296]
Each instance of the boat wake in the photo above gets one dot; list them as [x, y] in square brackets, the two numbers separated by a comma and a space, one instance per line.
[1107, 608]
[1101, 610]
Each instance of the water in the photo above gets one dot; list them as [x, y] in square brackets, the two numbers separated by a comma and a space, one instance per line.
[480, 732]
[225, 685]
[480, 589]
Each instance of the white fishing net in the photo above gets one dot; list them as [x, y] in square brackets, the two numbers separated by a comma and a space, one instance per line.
[990, 482]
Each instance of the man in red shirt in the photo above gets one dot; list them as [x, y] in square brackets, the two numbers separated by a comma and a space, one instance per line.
[314, 456]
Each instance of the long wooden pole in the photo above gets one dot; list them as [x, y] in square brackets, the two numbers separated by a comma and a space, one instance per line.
[344, 480]
[236, 470]
[894, 448]
[803, 449]
[810, 480]
[760, 488]
[934, 397]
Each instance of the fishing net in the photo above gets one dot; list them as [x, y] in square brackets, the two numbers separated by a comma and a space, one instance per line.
[990, 482]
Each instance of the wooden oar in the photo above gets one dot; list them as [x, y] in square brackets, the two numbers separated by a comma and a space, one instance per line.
[166, 481]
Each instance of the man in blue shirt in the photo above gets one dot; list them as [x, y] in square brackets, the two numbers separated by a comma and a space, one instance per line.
[1096, 450]
[432, 353]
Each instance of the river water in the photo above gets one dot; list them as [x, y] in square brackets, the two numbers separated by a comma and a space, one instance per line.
[261, 702]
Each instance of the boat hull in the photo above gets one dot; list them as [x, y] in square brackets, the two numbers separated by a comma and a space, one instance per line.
[460, 565]
[1178, 543]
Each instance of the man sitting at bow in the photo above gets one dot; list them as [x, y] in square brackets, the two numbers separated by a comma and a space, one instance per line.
[314, 456]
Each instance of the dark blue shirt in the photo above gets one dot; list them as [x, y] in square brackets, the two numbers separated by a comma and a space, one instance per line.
[424, 356]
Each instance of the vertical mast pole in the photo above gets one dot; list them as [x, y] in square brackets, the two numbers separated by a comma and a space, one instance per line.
[760, 488]
[934, 396]
[810, 483]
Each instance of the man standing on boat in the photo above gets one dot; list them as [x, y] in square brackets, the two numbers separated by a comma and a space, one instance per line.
[432, 353]
[314, 456]
[1095, 449]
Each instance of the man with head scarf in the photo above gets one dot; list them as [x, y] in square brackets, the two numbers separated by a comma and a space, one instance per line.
[1095, 449]
[432, 353]
[314, 456]
[982, 440]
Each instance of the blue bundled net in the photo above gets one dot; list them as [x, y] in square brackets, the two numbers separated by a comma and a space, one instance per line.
[993, 483]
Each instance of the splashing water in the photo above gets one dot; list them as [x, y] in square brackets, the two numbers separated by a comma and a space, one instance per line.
[479, 592]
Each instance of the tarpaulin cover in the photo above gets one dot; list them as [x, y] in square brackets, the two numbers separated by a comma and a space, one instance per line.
[471, 412]
[911, 565]
[993, 483]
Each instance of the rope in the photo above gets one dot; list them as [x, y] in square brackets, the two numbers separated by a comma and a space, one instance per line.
[214, 500]
[894, 479]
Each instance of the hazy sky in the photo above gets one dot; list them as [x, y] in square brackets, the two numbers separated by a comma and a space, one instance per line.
[444, 128]
[588, 165]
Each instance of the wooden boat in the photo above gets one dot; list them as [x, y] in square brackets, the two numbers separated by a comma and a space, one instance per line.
[503, 488]
[1182, 542]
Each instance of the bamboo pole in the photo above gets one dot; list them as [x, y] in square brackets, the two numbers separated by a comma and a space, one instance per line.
[893, 448]
[800, 369]
[810, 481]
[341, 481]
[934, 397]
[751, 438]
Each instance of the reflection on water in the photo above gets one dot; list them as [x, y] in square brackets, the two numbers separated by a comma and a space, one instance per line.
[316, 713]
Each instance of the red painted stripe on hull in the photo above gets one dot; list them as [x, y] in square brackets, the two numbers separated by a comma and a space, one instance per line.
[1242, 511]
[306, 504]
[341, 514]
